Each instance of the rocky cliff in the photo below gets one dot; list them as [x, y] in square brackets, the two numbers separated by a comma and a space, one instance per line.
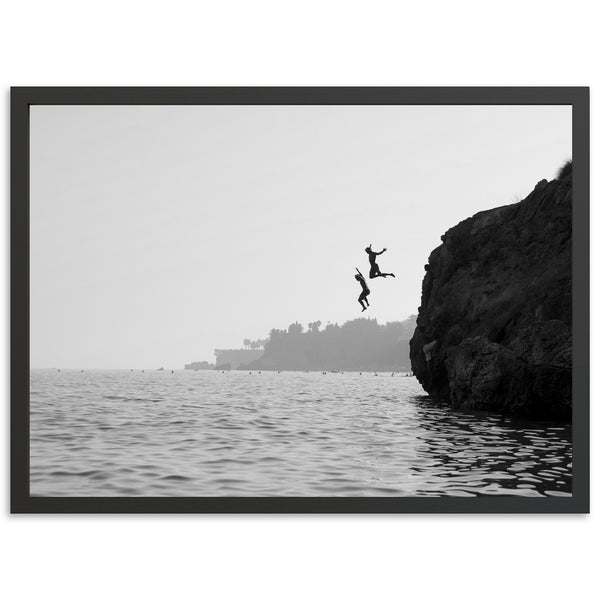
[494, 325]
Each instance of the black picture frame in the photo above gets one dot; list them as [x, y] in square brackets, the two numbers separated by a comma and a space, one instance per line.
[24, 97]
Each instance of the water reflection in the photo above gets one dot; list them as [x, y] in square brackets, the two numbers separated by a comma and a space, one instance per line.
[481, 453]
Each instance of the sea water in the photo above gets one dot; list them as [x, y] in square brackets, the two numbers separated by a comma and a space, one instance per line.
[208, 433]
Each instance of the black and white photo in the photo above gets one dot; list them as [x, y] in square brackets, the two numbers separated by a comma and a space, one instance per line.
[301, 301]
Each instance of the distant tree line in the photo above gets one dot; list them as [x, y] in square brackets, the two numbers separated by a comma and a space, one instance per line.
[254, 344]
[361, 344]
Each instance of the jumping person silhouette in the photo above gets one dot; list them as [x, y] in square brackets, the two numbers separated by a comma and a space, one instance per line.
[375, 272]
[362, 299]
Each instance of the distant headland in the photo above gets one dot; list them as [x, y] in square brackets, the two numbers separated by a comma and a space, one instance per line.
[357, 345]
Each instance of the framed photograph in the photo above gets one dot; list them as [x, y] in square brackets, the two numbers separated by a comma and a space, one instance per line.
[300, 300]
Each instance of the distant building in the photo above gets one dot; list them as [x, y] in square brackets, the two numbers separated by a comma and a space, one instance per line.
[199, 366]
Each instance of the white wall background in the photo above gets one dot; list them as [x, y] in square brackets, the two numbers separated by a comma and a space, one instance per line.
[299, 43]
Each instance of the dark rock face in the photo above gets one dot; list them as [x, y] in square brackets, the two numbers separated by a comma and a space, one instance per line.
[494, 325]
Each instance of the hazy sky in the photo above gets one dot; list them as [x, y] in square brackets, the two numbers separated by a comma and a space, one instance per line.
[159, 233]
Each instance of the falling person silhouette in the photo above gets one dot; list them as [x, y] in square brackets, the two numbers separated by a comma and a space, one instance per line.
[362, 299]
[375, 272]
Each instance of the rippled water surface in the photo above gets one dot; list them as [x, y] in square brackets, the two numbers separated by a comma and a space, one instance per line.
[207, 433]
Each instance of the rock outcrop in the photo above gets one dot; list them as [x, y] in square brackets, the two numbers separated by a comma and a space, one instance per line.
[494, 326]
